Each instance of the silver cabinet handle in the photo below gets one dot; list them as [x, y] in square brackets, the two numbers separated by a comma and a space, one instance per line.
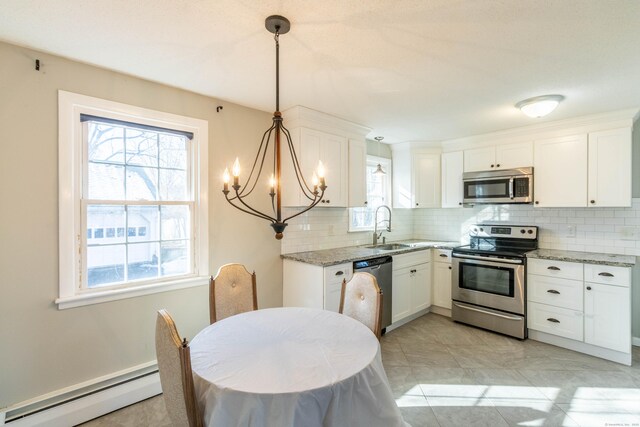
[553, 267]
[605, 274]
[553, 291]
[552, 320]
[588, 288]
[413, 271]
[444, 255]
[339, 273]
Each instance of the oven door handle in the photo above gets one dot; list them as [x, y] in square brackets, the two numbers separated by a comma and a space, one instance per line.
[482, 258]
[493, 313]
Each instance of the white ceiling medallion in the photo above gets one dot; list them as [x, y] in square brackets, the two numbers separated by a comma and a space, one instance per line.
[539, 106]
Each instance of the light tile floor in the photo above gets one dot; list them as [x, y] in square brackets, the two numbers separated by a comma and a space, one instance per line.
[447, 374]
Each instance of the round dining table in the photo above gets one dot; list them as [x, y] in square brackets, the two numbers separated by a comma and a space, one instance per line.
[291, 367]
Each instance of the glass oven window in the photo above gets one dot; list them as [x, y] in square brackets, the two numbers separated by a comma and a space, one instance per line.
[486, 189]
[488, 279]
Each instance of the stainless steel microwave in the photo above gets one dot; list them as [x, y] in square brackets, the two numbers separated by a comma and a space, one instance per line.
[498, 186]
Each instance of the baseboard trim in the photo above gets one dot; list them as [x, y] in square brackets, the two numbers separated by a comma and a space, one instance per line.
[406, 320]
[93, 405]
[130, 384]
[635, 341]
[442, 311]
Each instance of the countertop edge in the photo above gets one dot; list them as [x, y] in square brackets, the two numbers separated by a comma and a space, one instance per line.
[583, 257]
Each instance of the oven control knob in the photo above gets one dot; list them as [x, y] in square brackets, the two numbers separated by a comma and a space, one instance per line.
[481, 229]
[522, 231]
[530, 231]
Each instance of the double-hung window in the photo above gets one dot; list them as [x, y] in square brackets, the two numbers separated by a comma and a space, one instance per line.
[133, 212]
[378, 194]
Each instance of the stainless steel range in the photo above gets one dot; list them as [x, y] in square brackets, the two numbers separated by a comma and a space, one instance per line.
[488, 286]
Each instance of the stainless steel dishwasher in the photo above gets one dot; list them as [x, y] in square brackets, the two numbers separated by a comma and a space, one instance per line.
[382, 269]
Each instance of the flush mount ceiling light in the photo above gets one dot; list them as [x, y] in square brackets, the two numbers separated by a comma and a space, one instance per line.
[539, 106]
[379, 170]
[272, 138]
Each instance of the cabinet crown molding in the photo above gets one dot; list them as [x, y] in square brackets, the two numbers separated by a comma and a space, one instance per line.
[300, 116]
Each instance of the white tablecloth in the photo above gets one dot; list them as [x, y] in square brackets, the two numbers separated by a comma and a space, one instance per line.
[291, 367]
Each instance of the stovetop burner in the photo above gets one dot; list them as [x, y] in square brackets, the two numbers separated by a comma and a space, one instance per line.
[509, 241]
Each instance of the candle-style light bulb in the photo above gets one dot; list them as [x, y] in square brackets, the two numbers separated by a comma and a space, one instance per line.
[236, 172]
[321, 174]
[225, 179]
[272, 183]
[314, 181]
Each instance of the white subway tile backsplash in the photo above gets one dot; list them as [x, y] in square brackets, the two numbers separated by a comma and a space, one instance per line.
[603, 230]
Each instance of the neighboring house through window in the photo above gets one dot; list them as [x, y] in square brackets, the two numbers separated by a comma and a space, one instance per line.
[378, 194]
[128, 168]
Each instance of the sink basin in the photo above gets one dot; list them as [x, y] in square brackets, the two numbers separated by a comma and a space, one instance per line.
[390, 246]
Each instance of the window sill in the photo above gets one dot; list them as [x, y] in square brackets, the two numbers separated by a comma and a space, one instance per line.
[360, 230]
[99, 297]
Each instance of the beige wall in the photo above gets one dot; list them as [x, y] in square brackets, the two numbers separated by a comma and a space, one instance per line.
[43, 349]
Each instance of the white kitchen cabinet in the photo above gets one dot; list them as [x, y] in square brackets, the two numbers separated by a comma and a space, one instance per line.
[357, 173]
[505, 156]
[560, 168]
[442, 284]
[452, 167]
[607, 313]
[416, 177]
[609, 181]
[308, 285]
[411, 284]
[584, 307]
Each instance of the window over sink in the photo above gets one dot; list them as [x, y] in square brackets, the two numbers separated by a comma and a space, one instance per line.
[378, 194]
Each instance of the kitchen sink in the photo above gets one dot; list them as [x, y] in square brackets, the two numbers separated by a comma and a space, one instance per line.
[390, 246]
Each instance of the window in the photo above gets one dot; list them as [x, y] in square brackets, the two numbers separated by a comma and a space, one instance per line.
[133, 219]
[378, 194]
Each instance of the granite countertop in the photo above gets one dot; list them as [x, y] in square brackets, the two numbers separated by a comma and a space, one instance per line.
[586, 257]
[335, 256]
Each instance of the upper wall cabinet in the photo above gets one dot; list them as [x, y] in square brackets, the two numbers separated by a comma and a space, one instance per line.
[584, 170]
[416, 178]
[313, 146]
[357, 173]
[318, 136]
[507, 156]
[560, 172]
[452, 167]
[609, 182]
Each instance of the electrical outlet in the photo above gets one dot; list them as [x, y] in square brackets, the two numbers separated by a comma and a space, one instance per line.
[629, 233]
[570, 231]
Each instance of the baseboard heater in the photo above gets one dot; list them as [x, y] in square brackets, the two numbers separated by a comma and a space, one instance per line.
[88, 400]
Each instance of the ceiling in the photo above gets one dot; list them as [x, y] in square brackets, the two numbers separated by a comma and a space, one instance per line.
[412, 70]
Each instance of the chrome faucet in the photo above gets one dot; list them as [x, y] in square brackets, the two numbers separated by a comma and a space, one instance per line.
[376, 236]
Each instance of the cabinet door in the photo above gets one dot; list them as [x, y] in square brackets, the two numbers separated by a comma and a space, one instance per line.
[403, 196]
[442, 284]
[426, 175]
[333, 277]
[560, 175]
[333, 153]
[420, 276]
[357, 173]
[510, 156]
[610, 168]
[607, 312]
[480, 159]
[401, 302]
[452, 167]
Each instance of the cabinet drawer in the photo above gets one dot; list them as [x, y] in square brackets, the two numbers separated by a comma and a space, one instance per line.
[555, 291]
[442, 255]
[563, 269]
[410, 259]
[607, 274]
[336, 273]
[555, 321]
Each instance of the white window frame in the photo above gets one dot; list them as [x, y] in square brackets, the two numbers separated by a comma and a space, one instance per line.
[70, 180]
[386, 166]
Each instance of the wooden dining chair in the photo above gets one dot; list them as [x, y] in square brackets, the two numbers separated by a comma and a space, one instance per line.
[361, 299]
[232, 291]
[176, 378]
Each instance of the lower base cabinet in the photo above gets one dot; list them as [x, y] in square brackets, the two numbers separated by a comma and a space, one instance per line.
[442, 284]
[588, 304]
[411, 284]
[308, 285]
